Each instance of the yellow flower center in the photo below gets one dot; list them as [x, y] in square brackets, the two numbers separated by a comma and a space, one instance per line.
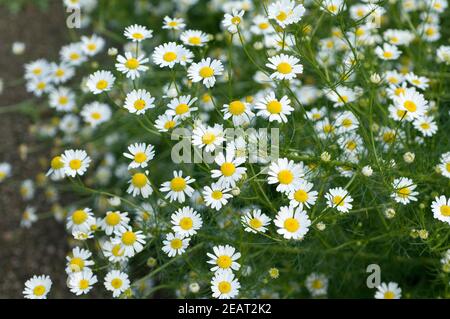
[217, 195]
[83, 284]
[182, 109]
[388, 137]
[79, 216]
[282, 16]
[92, 47]
[137, 36]
[132, 64]
[255, 223]
[96, 115]
[263, 25]
[404, 192]
[57, 163]
[178, 184]
[39, 290]
[236, 108]
[224, 287]
[274, 107]
[63, 100]
[338, 200]
[140, 157]
[389, 295]
[116, 283]
[291, 225]
[224, 261]
[186, 223]
[74, 56]
[176, 243]
[117, 250]
[139, 104]
[169, 124]
[172, 24]
[284, 68]
[301, 196]
[59, 73]
[206, 72]
[195, 40]
[236, 20]
[37, 71]
[102, 84]
[112, 219]
[351, 145]
[228, 169]
[208, 138]
[41, 85]
[410, 106]
[139, 180]
[76, 264]
[347, 122]
[445, 210]
[332, 8]
[447, 167]
[285, 177]
[317, 284]
[169, 56]
[128, 238]
[425, 126]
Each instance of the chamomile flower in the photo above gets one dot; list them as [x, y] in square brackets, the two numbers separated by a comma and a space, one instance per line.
[181, 107]
[186, 221]
[78, 260]
[269, 107]
[303, 195]
[140, 154]
[39, 86]
[346, 122]
[167, 55]
[420, 82]
[240, 112]
[341, 95]
[178, 187]
[132, 241]
[444, 165]
[208, 137]
[80, 220]
[224, 285]
[404, 190]
[413, 102]
[100, 81]
[388, 52]
[317, 284]
[255, 222]
[286, 174]
[216, 196]
[285, 67]
[173, 23]
[175, 244]
[62, 99]
[113, 221]
[443, 54]
[229, 172]
[37, 69]
[286, 12]
[73, 54]
[390, 290]
[61, 73]
[37, 287]
[333, 6]
[224, 258]
[232, 21]
[28, 217]
[117, 282]
[114, 252]
[261, 25]
[441, 209]
[339, 199]
[5, 171]
[81, 283]
[96, 113]
[27, 189]
[140, 185]
[76, 162]
[425, 125]
[131, 66]
[139, 101]
[194, 38]
[92, 45]
[205, 71]
[292, 223]
[138, 33]
[165, 122]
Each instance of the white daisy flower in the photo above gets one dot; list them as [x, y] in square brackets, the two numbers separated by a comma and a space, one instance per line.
[240, 112]
[388, 52]
[140, 154]
[139, 101]
[56, 170]
[441, 209]
[178, 188]
[167, 54]
[113, 221]
[303, 195]
[286, 67]
[420, 82]
[444, 165]
[273, 109]
[230, 172]
[131, 241]
[292, 223]
[317, 284]
[37, 69]
[390, 290]
[232, 21]
[194, 38]
[186, 221]
[341, 95]
[165, 122]
[96, 113]
[208, 137]
[29, 217]
[138, 33]
[224, 285]
[76, 162]
[205, 71]
[140, 185]
[61, 73]
[404, 190]
[286, 173]
[339, 199]
[286, 12]
[224, 258]
[5, 171]
[216, 196]
[181, 107]
[426, 125]
[62, 99]
[81, 283]
[100, 81]
[78, 260]
[39, 86]
[255, 222]
[173, 23]
[37, 287]
[73, 54]
[131, 66]
[175, 244]
[92, 45]
[261, 26]
[27, 189]
[114, 252]
[346, 122]
[333, 6]
[117, 282]
[80, 220]
[413, 102]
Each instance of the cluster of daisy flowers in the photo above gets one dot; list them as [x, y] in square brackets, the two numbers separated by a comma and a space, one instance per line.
[347, 101]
